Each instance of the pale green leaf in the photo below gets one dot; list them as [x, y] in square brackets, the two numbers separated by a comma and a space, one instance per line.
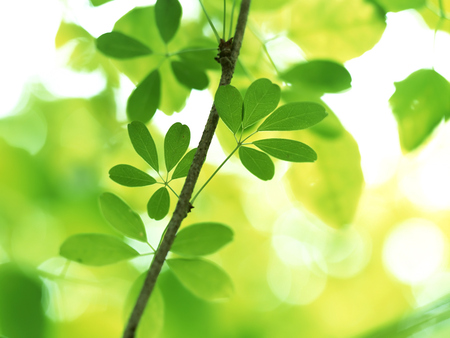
[294, 116]
[96, 249]
[122, 217]
[258, 163]
[143, 143]
[287, 150]
[228, 102]
[120, 46]
[130, 176]
[144, 100]
[400, 5]
[176, 143]
[168, 16]
[182, 169]
[203, 278]
[260, 100]
[189, 75]
[158, 205]
[201, 239]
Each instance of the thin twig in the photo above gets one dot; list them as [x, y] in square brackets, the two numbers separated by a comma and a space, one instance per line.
[183, 205]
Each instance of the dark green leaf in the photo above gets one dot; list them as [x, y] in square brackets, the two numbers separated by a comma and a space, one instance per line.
[260, 100]
[130, 176]
[287, 150]
[176, 143]
[258, 163]
[419, 104]
[143, 143]
[182, 168]
[201, 239]
[144, 100]
[189, 75]
[168, 16]
[120, 46]
[96, 249]
[228, 102]
[294, 116]
[203, 278]
[122, 217]
[202, 55]
[159, 203]
[320, 75]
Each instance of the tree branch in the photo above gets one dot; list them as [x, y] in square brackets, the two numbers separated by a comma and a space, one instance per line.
[183, 206]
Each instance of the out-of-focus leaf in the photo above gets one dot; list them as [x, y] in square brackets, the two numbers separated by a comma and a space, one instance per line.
[68, 31]
[419, 103]
[21, 310]
[143, 143]
[182, 169]
[99, 2]
[122, 217]
[168, 16]
[400, 5]
[96, 249]
[189, 75]
[144, 100]
[287, 150]
[432, 14]
[258, 163]
[202, 55]
[201, 239]
[260, 100]
[323, 76]
[152, 320]
[332, 186]
[121, 46]
[130, 176]
[158, 205]
[203, 278]
[294, 116]
[176, 143]
[228, 102]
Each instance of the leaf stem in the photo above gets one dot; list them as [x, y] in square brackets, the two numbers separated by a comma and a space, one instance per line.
[224, 18]
[210, 22]
[231, 19]
[168, 186]
[151, 247]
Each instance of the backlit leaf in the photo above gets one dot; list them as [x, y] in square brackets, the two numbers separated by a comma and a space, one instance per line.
[144, 100]
[228, 102]
[419, 104]
[143, 143]
[203, 278]
[182, 169]
[176, 143]
[400, 5]
[201, 239]
[168, 16]
[260, 100]
[122, 217]
[96, 249]
[130, 176]
[158, 205]
[294, 116]
[258, 163]
[287, 150]
[120, 46]
[189, 75]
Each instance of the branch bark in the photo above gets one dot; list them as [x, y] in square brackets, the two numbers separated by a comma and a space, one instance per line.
[183, 206]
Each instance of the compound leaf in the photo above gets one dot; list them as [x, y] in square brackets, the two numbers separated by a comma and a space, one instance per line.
[258, 163]
[287, 150]
[168, 16]
[120, 46]
[130, 176]
[176, 143]
[143, 143]
[182, 169]
[158, 205]
[144, 100]
[228, 102]
[189, 75]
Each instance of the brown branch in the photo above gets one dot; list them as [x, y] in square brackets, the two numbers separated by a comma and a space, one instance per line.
[183, 206]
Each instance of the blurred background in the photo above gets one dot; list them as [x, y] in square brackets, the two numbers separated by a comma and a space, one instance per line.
[354, 244]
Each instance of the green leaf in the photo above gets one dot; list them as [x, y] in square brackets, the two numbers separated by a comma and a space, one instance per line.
[201, 239]
[320, 75]
[400, 5]
[122, 217]
[260, 100]
[158, 205]
[203, 278]
[419, 104]
[182, 168]
[120, 46]
[287, 150]
[143, 143]
[144, 100]
[189, 75]
[168, 16]
[176, 143]
[130, 176]
[258, 163]
[228, 102]
[96, 249]
[294, 116]
[99, 2]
